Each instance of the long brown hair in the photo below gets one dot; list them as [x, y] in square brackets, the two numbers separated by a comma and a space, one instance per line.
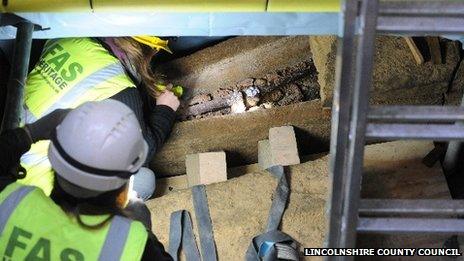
[103, 204]
[140, 57]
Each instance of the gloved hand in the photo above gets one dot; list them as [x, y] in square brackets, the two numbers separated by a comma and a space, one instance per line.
[43, 127]
[168, 98]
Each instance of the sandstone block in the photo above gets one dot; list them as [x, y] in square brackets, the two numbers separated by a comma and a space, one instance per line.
[206, 168]
[283, 146]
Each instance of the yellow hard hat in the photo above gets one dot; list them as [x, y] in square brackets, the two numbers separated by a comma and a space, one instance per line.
[153, 41]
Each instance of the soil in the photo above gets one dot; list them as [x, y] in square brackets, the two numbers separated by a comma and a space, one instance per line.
[397, 79]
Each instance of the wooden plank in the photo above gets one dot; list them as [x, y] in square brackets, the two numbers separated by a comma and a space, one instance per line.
[414, 50]
[435, 51]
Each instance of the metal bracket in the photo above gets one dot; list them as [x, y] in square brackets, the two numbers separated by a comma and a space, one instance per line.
[14, 20]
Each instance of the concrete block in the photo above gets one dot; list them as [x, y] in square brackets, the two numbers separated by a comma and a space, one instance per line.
[264, 154]
[206, 168]
[282, 142]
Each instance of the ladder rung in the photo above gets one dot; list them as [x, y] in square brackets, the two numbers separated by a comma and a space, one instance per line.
[420, 25]
[417, 113]
[410, 206]
[444, 8]
[411, 225]
[437, 132]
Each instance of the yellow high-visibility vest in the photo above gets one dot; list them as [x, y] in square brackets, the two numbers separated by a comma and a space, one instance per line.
[33, 227]
[70, 71]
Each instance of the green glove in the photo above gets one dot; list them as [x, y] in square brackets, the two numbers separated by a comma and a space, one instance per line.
[178, 91]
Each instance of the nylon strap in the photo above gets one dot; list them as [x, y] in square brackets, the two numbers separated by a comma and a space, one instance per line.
[115, 239]
[280, 199]
[8, 206]
[287, 251]
[181, 232]
[274, 244]
[205, 228]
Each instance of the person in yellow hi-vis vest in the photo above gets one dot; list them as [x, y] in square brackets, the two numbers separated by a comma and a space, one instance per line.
[72, 71]
[94, 150]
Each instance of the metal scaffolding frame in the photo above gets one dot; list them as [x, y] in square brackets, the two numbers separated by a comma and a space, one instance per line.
[15, 88]
[353, 122]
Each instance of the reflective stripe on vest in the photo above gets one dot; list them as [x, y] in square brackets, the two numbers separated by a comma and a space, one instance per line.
[67, 70]
[38, 167]
[70, 71]
[9, 204]
[115, 239]
[53, 235]
[69, 98]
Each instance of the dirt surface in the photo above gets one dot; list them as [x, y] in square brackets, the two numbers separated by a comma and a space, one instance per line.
[396, 74]
[239, 207]
[238, 135]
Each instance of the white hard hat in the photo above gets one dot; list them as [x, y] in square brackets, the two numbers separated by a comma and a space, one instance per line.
[98, 146]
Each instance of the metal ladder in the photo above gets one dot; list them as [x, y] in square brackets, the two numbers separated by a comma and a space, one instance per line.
[353, 121]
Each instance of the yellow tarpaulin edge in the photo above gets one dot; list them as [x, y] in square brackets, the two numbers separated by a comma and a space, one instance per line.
[315, 6]
[172, 5]
[14, 6]
[182, 5]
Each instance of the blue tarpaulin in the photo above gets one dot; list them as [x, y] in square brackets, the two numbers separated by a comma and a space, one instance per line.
[178, 24]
